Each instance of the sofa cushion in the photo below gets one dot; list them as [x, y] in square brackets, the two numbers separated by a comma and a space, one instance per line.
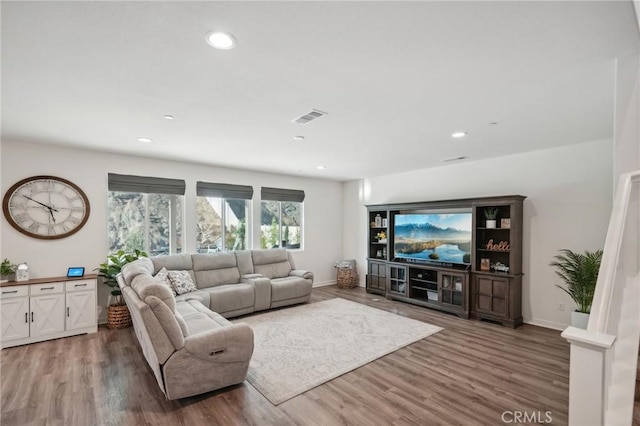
[146, 285]
[167, 320]
[215, 269]
[231, 297]
[272, 263]
[181, 282]
[198, 319]
[163, 278]
[201, 296]
[289, 288]
[142, 266]
[174, 262]
[245, 263]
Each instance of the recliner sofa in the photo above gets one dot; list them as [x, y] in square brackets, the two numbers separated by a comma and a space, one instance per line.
[186, 339]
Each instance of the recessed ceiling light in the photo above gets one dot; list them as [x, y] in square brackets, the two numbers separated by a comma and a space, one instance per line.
[169, 117]
[459, 134]
[298, 138]
[321, 167]
[221, 40]
[145, 140]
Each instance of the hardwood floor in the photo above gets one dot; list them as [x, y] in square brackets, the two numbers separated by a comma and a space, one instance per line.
[468, 374]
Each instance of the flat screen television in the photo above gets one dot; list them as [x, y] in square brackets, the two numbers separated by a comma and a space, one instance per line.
[442, 237]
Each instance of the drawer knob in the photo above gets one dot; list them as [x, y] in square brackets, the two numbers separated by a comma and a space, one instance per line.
[46, 288]
[9, 292]
[80, 285]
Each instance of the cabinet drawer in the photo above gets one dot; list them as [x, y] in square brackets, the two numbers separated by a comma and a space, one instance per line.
[14, 291]
[80, 285]
[47, 288]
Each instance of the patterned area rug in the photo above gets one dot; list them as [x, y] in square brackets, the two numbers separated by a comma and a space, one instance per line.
[299, 348]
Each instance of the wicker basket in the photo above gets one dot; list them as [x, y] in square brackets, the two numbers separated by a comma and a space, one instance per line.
[347, 278]
[118, 316]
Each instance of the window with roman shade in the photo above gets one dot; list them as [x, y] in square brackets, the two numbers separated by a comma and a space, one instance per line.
[145, 213]
[222, 216]
[281, 215]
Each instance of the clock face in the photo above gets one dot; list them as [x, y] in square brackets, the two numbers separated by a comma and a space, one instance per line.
[46, 207]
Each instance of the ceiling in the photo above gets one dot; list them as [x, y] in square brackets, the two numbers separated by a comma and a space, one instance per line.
[396, 79]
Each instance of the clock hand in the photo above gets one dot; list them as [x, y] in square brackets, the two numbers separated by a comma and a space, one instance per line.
[52, 217]
[42, 204]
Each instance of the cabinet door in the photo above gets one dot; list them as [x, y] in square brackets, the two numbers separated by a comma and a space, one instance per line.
[81, 309]
[491, 295]
[15, 318]
[47, 315]
[398, 280]
[452, 289]
[378, 276]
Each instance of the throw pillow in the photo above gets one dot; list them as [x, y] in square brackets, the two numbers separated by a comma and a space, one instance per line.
[163, 277]
[181, 282]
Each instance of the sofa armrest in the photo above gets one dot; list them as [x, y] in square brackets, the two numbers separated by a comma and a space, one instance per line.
[231, 343]
[302, 274]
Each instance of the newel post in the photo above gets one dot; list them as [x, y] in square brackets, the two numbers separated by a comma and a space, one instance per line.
[587, 376]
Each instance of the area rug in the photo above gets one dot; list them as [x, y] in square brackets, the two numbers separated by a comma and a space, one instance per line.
[299, 348]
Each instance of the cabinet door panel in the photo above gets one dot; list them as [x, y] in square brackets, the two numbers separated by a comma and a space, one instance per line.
[15, 318]
[47, 314]
[491, 296]
[81, 309]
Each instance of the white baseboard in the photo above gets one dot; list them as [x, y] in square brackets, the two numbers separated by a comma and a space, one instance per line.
[547, 324]
[324, 283]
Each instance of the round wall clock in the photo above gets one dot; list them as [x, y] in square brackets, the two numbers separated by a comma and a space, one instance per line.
[46, 207]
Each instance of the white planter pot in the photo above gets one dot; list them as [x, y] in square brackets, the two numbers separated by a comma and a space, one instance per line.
[579, 319]
[491, 223]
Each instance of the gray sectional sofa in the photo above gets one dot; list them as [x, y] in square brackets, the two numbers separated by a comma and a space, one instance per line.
[186, 339]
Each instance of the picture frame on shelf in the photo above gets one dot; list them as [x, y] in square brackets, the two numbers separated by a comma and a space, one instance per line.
[505, 223]
[485, 264]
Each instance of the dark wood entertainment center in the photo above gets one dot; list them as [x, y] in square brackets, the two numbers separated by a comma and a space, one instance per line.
[486, 285]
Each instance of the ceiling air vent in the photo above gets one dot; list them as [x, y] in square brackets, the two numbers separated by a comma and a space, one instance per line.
[308, 117]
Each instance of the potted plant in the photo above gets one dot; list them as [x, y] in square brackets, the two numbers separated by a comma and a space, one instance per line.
[491, 213]
[118, 315]
[580, 274]
[7, 269]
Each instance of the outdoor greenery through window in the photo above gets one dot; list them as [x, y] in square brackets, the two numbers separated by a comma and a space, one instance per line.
[145, 213]
[222, 213]
[281, 218]
[222, 224]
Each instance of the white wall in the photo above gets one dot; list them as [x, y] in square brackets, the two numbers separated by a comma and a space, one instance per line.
[569, 194]
[627, 115]
[88, 169]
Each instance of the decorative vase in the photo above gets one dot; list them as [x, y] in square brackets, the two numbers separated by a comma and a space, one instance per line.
[579, 319]
[491, 223]
[118, 316]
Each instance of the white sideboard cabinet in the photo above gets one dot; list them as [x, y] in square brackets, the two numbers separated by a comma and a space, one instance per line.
[47, 308]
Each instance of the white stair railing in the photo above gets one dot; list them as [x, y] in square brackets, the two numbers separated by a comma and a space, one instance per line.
[600, 355]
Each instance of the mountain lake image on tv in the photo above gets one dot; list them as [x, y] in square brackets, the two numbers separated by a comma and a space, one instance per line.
[433, 237]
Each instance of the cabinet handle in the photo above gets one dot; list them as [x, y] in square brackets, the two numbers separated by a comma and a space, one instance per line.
[46, 288]
[9, 292]
[67, 311]
[80, 285]
[26, 317]
[31, 316]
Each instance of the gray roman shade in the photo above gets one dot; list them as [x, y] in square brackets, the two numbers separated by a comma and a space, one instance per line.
[278, 194]
[145, 184]
[224, 190]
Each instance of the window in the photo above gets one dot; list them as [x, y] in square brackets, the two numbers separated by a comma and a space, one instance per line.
[281, 218]
[222, 213]
[145, 213]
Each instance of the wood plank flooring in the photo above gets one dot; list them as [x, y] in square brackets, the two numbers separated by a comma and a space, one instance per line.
[468, 374]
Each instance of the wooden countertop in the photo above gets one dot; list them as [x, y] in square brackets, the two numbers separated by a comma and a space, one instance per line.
[49, 280]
